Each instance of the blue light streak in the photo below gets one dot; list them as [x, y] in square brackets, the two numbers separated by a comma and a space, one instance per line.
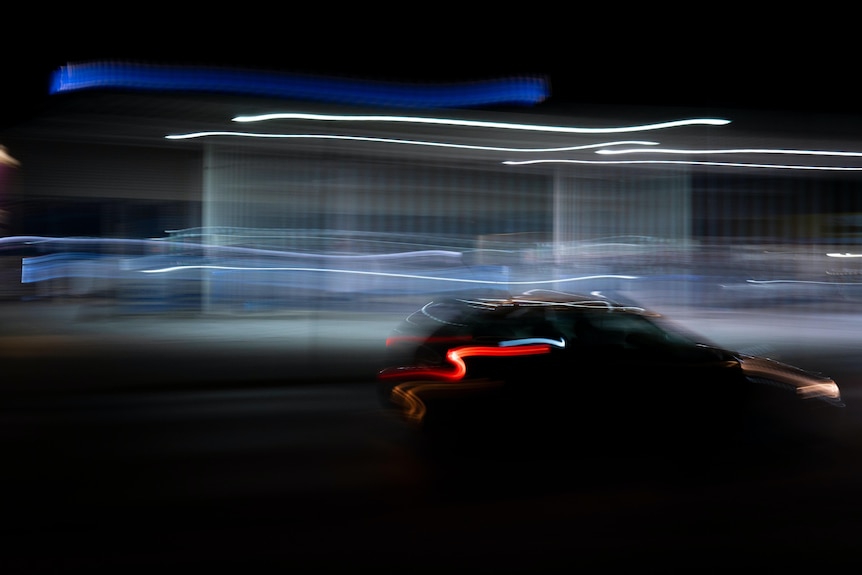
[519, 91]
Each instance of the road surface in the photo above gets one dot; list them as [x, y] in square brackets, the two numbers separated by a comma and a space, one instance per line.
[260, 458]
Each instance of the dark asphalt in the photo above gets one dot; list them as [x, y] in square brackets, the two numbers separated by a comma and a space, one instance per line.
[68, 344]
[179, 443]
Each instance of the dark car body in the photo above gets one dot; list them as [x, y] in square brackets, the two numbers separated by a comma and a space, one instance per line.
[556, 365]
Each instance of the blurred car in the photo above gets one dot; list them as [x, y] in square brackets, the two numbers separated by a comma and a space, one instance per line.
[548, 365]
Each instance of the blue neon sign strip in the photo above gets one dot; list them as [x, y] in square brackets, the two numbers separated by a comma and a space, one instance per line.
[519, 91]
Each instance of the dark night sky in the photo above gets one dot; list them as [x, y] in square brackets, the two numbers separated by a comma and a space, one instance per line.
[712, 59]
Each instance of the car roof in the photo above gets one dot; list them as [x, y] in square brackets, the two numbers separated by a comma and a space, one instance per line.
[554, 299]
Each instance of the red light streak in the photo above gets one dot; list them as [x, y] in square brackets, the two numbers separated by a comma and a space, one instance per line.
[456, 357]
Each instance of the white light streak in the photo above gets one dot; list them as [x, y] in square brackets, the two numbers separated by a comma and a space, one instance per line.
[836, 153]
[687, 163]
[561, 343]
[809, 282]
[382, 274]
[844, 255]
[483, 124]
[407, 142]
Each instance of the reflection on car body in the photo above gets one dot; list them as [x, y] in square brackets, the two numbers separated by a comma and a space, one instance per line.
[551, 362]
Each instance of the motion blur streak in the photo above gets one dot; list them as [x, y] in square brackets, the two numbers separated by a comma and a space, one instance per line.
[522, 90]
[159, 245]
[688, 163]
[561, 343]
[6, 159]
[387, 274]
[408, 395]
[446, 382]
[813, 390]
[485, 124]
[456, 358]
[768, 370]
[188, 270]
[767, 282]
[734, 151]
[406, 142]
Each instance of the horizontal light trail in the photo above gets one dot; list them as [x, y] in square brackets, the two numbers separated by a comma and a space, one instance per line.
[719, 151]
[483, 124]
[686, 163]
[371, 139]
[382, 274]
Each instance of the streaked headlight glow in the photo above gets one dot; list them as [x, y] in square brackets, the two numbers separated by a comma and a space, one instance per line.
[825, 390]
[806, 385]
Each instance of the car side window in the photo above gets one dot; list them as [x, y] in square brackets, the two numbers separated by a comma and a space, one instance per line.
[596, 331]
